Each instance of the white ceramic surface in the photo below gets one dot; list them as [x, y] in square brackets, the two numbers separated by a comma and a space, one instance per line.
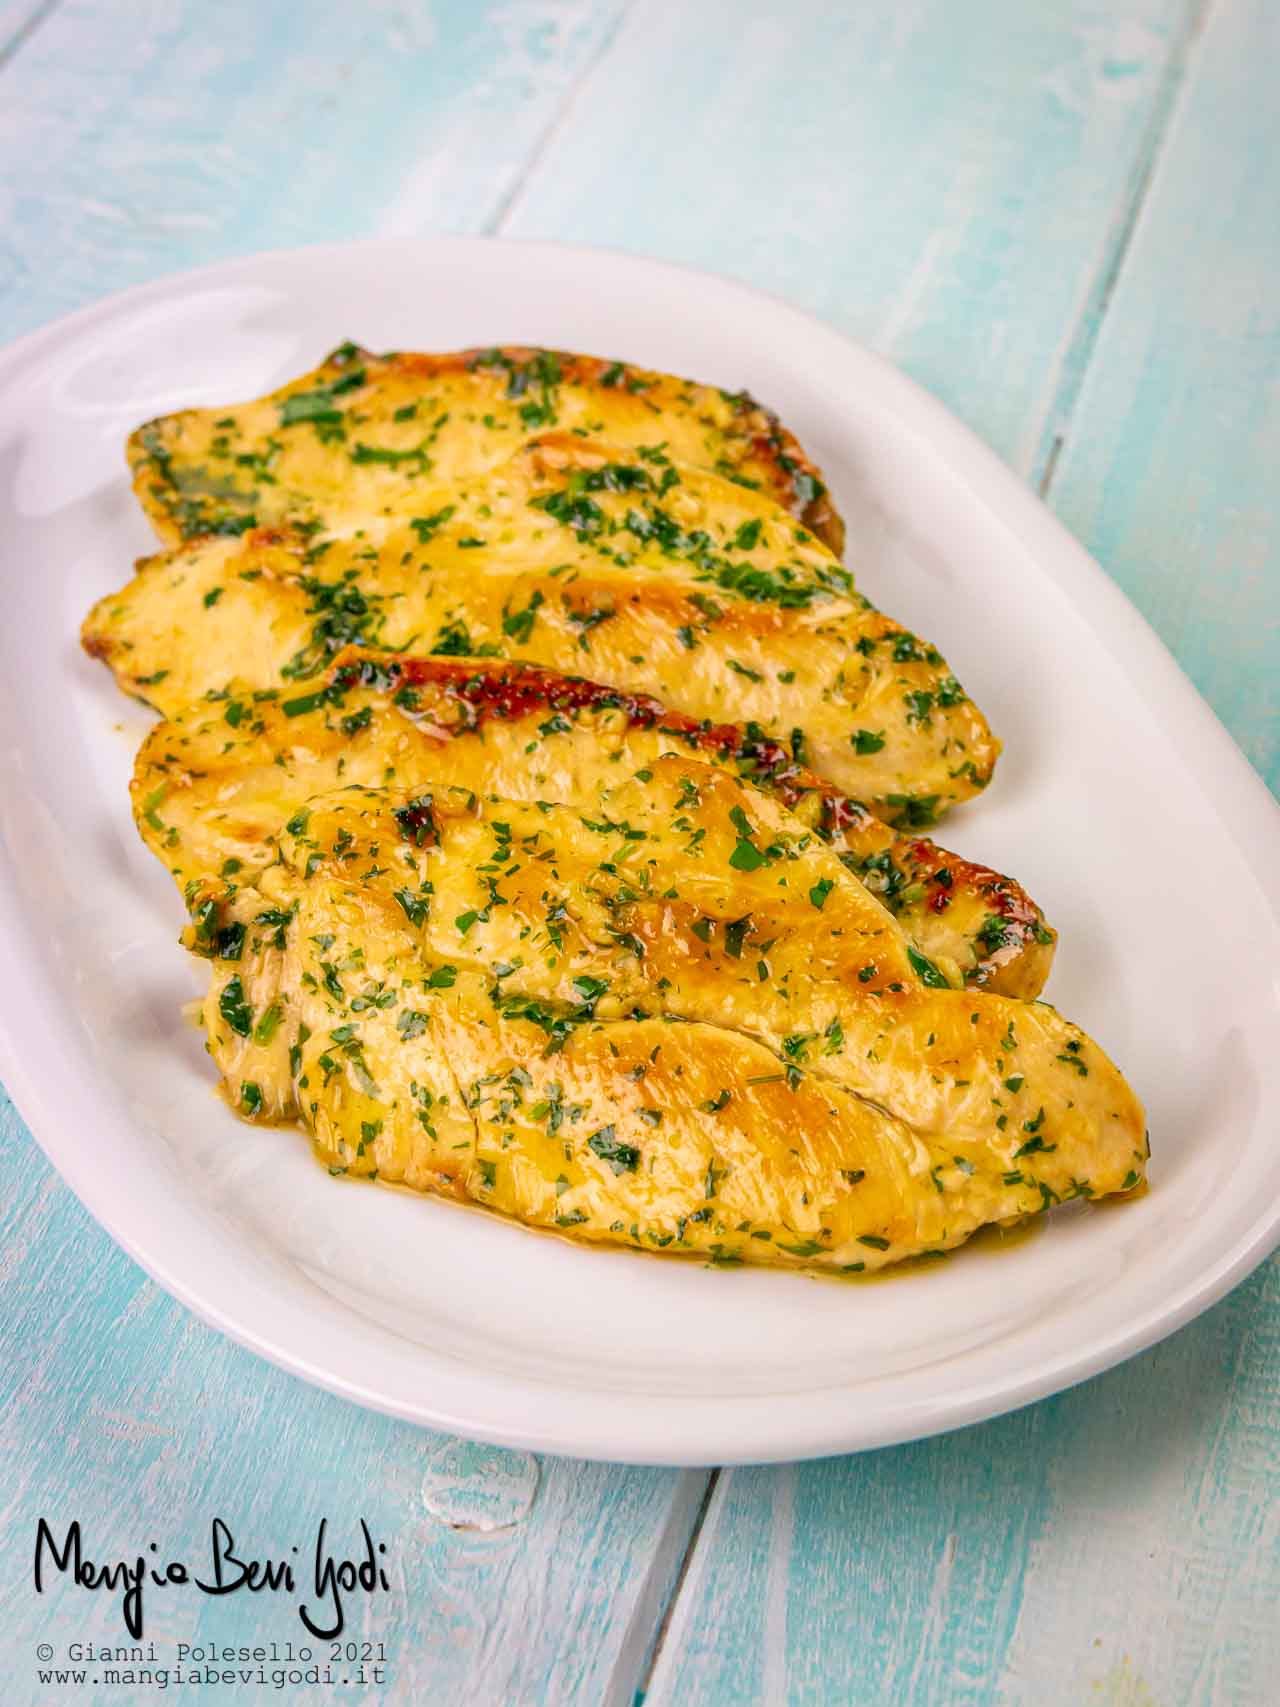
[1120, 803]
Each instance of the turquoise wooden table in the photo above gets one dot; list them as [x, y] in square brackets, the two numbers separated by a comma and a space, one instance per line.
[1063, 219]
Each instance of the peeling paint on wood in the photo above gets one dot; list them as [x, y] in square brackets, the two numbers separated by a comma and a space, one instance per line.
[142, 136]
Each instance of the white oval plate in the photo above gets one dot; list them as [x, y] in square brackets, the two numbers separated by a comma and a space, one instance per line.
[1120, 803]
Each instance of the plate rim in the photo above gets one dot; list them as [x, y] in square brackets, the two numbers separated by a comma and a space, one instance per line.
[1240, 798]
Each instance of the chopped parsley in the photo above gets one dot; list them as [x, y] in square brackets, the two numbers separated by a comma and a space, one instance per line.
[234, 1008]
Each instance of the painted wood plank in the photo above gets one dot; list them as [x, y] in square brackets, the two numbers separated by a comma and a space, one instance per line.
[1115, 1544]
[118, 1408]
[137, 140]
[1169, 468]
[943, 182]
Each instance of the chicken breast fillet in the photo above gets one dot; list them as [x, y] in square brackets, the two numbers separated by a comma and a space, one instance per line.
[213, 785]
[653, 578]
[362, 435]
[673, 1019]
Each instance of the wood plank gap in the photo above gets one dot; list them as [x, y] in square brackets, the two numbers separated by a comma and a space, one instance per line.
[1084, 339]
[677, 1588]
[1051, 465]
[22, 35]
[493, 226]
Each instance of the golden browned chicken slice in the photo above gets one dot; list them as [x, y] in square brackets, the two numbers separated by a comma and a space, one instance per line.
[673, 1019]
[654, 578]
[363, 434]
[212, 786]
